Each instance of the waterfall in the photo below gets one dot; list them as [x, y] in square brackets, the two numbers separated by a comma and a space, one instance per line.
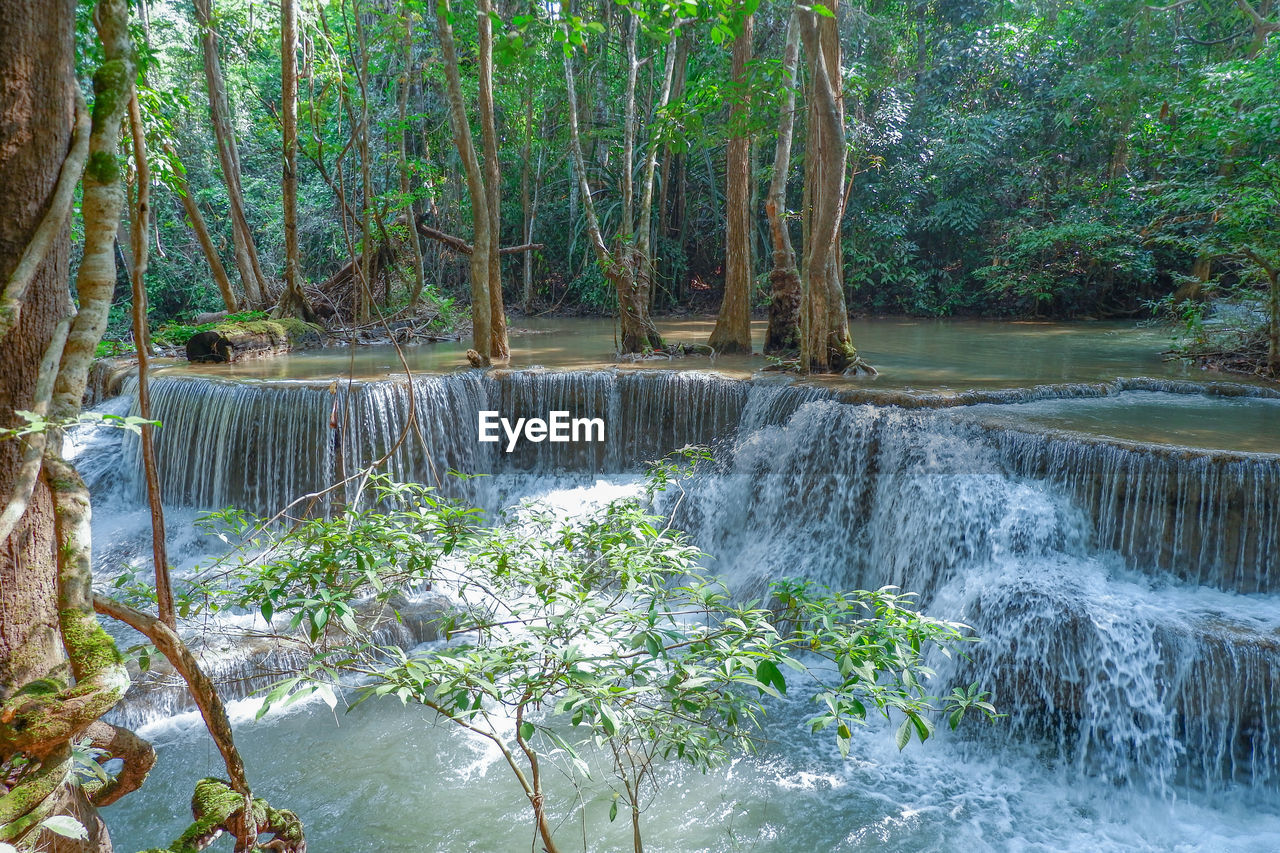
[1132, 676]
[1122, 590]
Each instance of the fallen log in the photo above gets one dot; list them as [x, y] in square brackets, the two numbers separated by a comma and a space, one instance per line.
[253, 339]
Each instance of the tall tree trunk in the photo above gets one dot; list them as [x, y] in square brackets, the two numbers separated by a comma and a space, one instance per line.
[142, 340]
[251, 278]
[293, 302]
[368, 249]
[45, 630]
[732, 332]
[528, 201]
[480, 256]
[670, 206]
[201, 230]
[644, 227]
[783, 334]
[825, 344]
[406, 189]
[498, 346]
[629, 266]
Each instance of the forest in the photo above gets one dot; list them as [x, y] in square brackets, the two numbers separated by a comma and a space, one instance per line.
[925, 359]
[1061, 160]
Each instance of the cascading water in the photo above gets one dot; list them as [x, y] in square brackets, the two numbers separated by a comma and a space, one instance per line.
[1123, 592]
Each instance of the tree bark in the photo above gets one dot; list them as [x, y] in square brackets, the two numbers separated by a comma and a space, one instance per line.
[498, 346]
[201, 231]
[825, 344]
[293, 302]
[48, 641]
[246, 252]
[622, 267]
[481, 310]
[783, 334]
[526, 202]
[142, 340]
[36, 110]
[732, 332]
[406, 189]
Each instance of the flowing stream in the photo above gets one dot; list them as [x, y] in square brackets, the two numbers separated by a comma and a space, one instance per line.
[1115, 541]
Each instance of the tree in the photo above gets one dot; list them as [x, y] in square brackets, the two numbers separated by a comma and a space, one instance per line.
[628, 264]
[293, 302]
[59, 671]
[732, 332]
[594, 636]
[246, 251]
[825, 343]
[783, 333]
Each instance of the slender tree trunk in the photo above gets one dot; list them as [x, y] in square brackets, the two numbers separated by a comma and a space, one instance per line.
[480, 256]
[783, 334]
[732, 332]
[368, 249]
[201, 230]
[498, 346]
[668, 225]
[406, 190]
[293, 302]
[229, 159]
[142, 340]
[644, 228]
[825, 344]
[528, 202]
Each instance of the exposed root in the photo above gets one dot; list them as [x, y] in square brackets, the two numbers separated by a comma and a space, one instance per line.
[218, 809]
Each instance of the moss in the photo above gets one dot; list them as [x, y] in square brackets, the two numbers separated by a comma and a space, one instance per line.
[214, 804]
[87, 643]
[103, 167]
[110, 83]
[284, 329]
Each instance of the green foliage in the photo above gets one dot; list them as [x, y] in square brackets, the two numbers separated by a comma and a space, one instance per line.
[36, 423]
[596, 636]
[177, 334]
[1066, 268]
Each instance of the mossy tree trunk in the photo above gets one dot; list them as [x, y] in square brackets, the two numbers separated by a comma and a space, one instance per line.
[59, 671]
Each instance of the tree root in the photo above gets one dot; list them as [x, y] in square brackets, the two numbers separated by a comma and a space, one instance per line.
[218, 809]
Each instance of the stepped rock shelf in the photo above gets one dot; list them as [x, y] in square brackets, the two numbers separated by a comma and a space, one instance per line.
[1127, 590]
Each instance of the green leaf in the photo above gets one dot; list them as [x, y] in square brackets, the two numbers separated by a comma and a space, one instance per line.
[903, 737]
[923, 729]
[768, 674]
[613, 809]
[325, 692]
[608, 720]
[66, 826]
[526, 730]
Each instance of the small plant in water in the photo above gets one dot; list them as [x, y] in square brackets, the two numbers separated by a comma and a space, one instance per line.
[591, 637]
